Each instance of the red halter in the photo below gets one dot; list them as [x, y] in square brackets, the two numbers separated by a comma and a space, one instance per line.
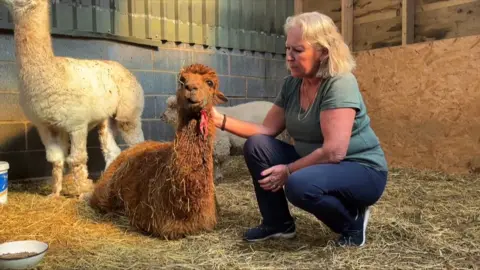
[204, 123]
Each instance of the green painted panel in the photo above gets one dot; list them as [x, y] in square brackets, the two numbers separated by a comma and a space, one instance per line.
[84, 15]
[169, 18]
[247, 14]
[290, 9]
[211, 36]
[249, 40]
[209, 22]
[155, 23]
[250, 19]
[102, 16]
[239, 24]
[280, 12]
[4, 21]
[197, 10]
[210, 12]
[255, 36]
[223, 13]
[261, 22]
[269, 25]
[235, 14]
[234, 38]
[120, 18]
[260, 41]
[62, 11]
[244, 35]
[138, 12]
[10, 18]
[148, 13]
[222, 37]
[234, 24]
[197, 7]
[270, 42]
[280, 44]
[197, 34]
[183, 21]
[259, 15]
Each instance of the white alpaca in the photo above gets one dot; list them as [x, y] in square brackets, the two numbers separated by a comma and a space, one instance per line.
[227, 144]
[65, 97]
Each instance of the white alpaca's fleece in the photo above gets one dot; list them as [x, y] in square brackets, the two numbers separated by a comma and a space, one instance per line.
[64, 97]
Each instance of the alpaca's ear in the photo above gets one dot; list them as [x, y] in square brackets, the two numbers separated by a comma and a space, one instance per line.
[220, 98]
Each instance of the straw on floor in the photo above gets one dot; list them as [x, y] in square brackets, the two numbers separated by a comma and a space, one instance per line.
[425, 220]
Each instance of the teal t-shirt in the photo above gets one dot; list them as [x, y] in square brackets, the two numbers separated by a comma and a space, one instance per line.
[335, 92]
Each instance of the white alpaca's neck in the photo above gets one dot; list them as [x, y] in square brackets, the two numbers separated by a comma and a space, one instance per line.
[33, 42]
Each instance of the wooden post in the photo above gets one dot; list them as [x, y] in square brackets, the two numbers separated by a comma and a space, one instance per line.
[297, 6]
[408, 19]
[347, 22]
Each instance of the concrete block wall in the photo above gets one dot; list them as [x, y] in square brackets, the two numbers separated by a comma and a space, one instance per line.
[244, 76]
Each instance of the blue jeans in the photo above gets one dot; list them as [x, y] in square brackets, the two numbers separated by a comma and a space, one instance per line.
[333, 193]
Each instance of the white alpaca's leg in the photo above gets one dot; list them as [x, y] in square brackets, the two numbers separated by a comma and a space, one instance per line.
[55, 155]
[218, 173]
[131, 131]
[109, 147]
[221, 153]
[64, 142]
[78, 155]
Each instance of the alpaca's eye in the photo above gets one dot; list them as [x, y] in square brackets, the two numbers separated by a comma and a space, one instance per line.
[182, 80]
[210, 83]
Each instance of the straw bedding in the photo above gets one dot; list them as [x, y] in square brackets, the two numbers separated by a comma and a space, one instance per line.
[426, 220]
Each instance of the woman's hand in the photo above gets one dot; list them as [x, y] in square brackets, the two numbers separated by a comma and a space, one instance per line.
[276, 177]
[217, 117]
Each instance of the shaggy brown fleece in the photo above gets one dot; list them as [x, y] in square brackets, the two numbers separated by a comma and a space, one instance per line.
[166, 188]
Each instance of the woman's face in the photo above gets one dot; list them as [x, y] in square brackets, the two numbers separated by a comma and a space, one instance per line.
[302, 58]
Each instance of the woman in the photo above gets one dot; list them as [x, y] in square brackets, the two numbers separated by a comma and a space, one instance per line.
[337, 168]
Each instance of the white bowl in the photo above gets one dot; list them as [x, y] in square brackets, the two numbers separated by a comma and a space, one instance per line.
[38, 248]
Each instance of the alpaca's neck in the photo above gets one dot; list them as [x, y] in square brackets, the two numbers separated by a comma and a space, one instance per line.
[191, 168]
[32, 35]
[190, 145]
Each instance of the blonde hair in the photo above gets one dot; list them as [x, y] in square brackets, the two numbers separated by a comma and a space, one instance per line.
[321, 32]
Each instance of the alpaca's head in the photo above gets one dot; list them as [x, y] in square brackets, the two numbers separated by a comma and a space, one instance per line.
[198, 89]
[169, 116]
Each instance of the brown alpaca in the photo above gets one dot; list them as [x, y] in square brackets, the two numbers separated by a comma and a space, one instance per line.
[166, 188]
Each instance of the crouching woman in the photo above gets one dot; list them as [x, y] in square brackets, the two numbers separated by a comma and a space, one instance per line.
[336, 169]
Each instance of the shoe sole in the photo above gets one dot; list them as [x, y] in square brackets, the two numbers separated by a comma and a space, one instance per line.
[277, 235]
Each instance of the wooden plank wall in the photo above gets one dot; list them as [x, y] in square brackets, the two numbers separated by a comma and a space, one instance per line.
[255, 25]
[331, 8]
[378, 23]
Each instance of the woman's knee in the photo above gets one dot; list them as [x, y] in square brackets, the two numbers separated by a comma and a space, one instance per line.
[254, 142]
[295, 189]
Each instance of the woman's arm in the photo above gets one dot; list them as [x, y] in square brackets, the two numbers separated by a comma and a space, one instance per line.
[336, 125]
[273, 124]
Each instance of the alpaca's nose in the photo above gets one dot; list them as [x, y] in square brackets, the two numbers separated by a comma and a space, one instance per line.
[191, 87]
